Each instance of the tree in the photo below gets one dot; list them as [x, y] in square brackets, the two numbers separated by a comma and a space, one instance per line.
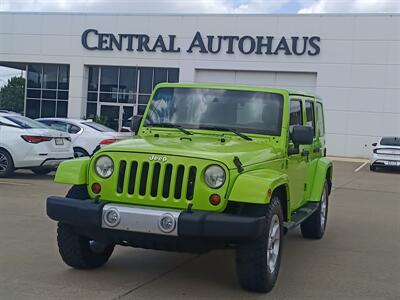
[12, 95]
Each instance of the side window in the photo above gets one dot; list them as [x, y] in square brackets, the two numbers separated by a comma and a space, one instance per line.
[295, 114]
[320, 119]
[73, 129]
[58, 126]
[310, 121]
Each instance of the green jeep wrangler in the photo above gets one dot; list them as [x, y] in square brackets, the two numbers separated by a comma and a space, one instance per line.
[211, 166]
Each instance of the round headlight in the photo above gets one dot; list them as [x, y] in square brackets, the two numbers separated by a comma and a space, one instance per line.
[214, 176]
[104, 166]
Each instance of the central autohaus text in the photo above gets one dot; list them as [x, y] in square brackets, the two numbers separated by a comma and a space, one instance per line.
[208, 44]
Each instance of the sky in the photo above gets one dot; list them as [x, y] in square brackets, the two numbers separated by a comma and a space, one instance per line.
[196, 6]
[205, 6]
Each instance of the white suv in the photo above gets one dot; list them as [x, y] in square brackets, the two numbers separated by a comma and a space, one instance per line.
[28, 144]
[386, 153]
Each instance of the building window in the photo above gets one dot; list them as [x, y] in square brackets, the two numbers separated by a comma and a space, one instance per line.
[47, 90]
[129, 88]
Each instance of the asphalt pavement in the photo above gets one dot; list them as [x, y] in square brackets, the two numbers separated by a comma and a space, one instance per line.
[359, 257]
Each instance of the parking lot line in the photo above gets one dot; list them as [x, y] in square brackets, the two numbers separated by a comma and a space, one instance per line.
[360, 167]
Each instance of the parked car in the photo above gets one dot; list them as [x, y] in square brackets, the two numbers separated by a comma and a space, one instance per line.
[386, 153]
[28, 144]
[211, 166]
[87, 136]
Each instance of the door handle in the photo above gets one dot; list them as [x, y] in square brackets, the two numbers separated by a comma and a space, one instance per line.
[317, 149]
[305, 153]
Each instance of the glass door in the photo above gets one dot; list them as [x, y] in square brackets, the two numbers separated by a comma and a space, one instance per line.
[110, 114]
[126, 117]
[117, 116]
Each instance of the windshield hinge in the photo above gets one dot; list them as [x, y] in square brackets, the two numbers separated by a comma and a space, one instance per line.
[238, 164]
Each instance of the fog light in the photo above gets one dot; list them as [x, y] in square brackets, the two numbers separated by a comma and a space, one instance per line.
[167, 223]
[96, 188]
[112, 217]
[215, 199]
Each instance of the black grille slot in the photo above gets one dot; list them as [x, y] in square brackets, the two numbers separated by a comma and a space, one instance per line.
[167, 180]
[178, 183]
[143, 178]
[132, 177]
[191, 182]
[156, 177]
[121, 175]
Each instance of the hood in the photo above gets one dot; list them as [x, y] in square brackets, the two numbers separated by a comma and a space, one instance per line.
[205, 147]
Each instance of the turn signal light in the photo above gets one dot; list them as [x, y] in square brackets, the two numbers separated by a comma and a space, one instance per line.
[34, 139]
[96, 188]
[107, 141]
[215, 199]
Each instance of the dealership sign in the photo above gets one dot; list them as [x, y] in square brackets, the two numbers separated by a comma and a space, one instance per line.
[230, 44]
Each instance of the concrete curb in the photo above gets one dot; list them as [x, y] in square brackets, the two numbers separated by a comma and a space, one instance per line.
[348, 159]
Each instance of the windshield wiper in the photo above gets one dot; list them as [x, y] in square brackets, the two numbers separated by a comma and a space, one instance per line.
[235, 131]
[170, 125]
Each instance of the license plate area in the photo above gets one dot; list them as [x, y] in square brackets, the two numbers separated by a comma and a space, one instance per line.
[59, 141]
[393, 163]
[139, 219]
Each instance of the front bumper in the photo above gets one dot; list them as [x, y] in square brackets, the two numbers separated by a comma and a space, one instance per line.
[146, 220]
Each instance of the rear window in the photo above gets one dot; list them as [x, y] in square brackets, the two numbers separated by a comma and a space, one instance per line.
[25, 122]
[98, 127]
[390, 141]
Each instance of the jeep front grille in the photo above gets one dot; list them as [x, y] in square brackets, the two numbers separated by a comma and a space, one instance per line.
[156, 180]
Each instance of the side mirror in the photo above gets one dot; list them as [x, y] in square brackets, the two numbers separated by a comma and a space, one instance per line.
[302, 135]
[136, 120]
[374, 144]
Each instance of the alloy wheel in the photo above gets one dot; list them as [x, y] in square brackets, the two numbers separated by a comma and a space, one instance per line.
[274, 237]
[3, 162]
[323, 208]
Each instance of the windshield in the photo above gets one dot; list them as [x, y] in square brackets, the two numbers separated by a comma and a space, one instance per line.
[25, 122]
[246, 111]
[98, 127]
[390, 141]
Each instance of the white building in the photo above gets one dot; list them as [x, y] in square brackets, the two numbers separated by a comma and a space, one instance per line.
[86, 64]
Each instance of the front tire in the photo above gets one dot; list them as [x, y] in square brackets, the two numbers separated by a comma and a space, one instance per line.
[372, 168]
[6, 164]
[80, 252]
[76, 250]
[314, 226]
[258, 262]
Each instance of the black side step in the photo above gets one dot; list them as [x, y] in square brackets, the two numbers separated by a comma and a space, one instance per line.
[300, 215]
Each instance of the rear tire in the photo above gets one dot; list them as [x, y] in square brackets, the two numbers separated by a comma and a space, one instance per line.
[79, 152]
[258, 262]
[314, 226]
[372, 168]
[79, 251]
[6, 164]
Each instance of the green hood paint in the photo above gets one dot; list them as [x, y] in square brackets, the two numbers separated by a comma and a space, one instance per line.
[202, 146]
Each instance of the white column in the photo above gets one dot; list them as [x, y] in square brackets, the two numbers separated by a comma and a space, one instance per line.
[78, 78]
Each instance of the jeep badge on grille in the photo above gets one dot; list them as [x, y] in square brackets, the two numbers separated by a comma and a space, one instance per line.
[158, 158]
